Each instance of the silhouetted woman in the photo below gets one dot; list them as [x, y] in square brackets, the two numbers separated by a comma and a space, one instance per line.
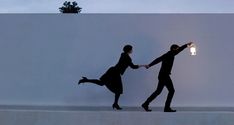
[112, 78]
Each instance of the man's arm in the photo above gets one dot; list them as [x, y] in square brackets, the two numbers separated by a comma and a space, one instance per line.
[156, 61]
[182, 48]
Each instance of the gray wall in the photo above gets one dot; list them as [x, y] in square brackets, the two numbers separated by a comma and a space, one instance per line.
[43, 57]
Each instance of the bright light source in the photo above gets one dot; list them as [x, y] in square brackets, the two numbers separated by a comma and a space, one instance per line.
[193, 49]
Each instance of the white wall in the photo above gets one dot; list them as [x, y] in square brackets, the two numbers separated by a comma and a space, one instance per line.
[43, 57]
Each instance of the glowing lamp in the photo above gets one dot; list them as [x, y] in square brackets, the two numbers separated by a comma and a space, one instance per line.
[193, 50]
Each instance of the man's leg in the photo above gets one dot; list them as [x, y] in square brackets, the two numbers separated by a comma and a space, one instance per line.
[153, 95]
[170, 95]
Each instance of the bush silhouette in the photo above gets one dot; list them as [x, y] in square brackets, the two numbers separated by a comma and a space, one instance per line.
[69, 7]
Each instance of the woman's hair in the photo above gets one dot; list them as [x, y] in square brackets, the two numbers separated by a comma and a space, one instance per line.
[127, 48]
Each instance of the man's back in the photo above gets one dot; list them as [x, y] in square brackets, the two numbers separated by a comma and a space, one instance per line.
[167, 63]
[167, 60]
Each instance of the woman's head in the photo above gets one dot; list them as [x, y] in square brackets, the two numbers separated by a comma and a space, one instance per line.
[127, 49]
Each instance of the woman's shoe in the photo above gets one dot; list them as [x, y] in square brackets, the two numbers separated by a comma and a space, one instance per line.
[84, 79]
[116, 106]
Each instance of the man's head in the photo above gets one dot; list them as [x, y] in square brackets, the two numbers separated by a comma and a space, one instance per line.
[174, 47]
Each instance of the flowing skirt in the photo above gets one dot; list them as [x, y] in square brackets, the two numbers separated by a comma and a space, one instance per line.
[112, 80]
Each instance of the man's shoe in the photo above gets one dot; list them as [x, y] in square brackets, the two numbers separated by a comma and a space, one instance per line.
[169, 110]
[146, 107]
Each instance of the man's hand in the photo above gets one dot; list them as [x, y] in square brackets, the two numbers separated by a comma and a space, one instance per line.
[189, 44]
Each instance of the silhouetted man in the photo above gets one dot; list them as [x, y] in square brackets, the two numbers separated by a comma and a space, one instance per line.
[164, 76]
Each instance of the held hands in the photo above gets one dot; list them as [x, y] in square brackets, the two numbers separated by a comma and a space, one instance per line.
[146, 66]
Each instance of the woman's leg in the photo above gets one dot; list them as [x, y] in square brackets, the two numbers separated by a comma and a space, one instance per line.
[116, 99]
[95, 81]
[116, 105]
